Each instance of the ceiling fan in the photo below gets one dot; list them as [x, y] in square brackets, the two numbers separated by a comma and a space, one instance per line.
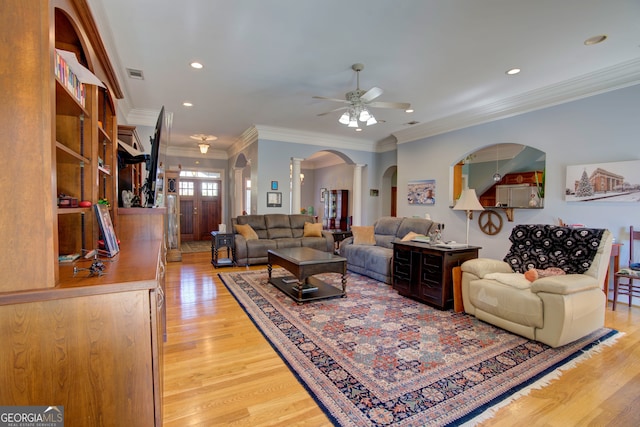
[359, 101]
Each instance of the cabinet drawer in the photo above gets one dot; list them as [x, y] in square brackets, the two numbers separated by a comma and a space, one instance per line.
[402, 270]
[225, 241]
[402, 256]
[432, 291]
[432, 262]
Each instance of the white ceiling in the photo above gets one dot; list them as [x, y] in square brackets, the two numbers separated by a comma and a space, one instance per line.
[265, 59]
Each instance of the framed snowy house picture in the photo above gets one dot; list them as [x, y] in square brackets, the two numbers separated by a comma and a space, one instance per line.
[603, 182]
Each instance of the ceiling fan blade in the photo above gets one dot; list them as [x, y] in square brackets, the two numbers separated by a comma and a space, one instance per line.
[380, 104]
[344, 101]
[371, 94]
[335, 109]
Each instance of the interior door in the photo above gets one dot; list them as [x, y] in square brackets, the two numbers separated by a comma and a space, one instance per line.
[200, 208]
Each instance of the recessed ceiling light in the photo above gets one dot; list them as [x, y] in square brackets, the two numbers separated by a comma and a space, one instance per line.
[595, 40]
[187, 104]
[513, 71]
[358, 129]
[196, 65]
[409, 110]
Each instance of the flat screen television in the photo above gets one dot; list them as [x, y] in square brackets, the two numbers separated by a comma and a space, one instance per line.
[151, 189]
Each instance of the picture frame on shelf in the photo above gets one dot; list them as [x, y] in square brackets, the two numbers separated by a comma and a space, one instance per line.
[107, 231]
[274, 200]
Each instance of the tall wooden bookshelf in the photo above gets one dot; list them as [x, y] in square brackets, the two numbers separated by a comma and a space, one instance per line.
[92, 344]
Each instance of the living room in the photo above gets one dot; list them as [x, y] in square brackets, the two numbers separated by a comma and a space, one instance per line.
[218, 367]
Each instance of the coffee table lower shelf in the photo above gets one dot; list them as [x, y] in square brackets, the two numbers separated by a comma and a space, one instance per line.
[323, 291]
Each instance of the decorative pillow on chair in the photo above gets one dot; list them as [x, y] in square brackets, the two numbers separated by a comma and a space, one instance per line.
[410, 235]
[246, 231]
[363, 235]
[312, 230]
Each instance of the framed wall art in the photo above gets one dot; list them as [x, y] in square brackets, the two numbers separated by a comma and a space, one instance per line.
[603, 182]
[274, 185]
[322, 191]
[274, 200]
[421, 192]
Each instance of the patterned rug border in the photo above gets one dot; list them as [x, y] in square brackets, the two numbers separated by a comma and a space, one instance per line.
[483, 412]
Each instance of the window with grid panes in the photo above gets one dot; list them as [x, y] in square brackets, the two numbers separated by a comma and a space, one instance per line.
[186, 188]
[209, 189]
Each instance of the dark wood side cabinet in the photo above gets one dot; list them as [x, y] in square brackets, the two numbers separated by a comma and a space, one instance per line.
[219, 241]
[423, 271]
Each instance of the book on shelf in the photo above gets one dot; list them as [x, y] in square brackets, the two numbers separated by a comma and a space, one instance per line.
[68, 259]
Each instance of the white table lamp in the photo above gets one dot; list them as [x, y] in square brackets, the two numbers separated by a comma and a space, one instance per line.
[468, 202]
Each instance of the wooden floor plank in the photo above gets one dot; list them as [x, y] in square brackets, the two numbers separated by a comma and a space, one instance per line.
[219, 369]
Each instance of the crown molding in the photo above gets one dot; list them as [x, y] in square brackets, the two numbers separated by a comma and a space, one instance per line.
[607, 79]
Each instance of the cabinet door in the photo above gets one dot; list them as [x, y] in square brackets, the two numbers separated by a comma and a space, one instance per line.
[431, 278]
[402, 270]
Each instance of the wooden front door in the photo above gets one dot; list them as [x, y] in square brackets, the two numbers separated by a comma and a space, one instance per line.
[200, 208]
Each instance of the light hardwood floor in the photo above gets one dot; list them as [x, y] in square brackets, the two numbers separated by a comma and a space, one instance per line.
[219, 370]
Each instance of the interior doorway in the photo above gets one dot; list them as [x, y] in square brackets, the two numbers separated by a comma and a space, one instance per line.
[200, 208]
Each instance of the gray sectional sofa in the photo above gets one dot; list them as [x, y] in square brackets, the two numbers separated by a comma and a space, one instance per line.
[275, 231]
[375, 261]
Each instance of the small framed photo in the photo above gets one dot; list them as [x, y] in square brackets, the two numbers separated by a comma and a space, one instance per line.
[274, 185]
[274, 200]
[322, 191]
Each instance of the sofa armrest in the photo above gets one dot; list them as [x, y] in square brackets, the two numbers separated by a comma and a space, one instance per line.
[346, 242]
[482, 266]
[330, 242]
[565, 284]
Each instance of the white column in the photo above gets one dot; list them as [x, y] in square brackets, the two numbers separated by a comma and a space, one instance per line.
[238, 193]
[357, 194]
[295, 185]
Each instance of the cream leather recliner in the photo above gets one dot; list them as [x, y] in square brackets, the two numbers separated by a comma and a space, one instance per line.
[554, 310]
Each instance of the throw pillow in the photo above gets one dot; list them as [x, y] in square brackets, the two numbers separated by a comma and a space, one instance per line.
[363, 235]
[246, 231]
[312, 230]
[410, 235]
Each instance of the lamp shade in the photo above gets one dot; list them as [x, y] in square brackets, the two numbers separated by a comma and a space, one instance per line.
[203, 148]
[468, 201]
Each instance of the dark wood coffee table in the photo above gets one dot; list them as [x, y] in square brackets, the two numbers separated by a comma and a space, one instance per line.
[304, 263]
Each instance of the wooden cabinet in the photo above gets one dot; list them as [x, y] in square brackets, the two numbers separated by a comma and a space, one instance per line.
[423, 272]
[92, 344]
[336, 208]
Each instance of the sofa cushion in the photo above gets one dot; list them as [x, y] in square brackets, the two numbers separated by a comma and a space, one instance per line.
[278, 226]
[542, 246]
[312, 230]
[388, 225]
[363, 235]
[246, 231]
[256, 222]
[517, 280]
[418, 225]
[506, 302]
[297, 222]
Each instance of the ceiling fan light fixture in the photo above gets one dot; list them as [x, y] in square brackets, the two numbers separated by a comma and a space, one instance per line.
[364, 115]
[353, 123]
[203, 148]
[372, 121]
[344, 118]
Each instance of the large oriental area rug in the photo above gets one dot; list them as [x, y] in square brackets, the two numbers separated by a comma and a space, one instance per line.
[376, 358]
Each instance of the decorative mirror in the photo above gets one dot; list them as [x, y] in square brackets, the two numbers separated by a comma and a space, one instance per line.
[507, 176]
